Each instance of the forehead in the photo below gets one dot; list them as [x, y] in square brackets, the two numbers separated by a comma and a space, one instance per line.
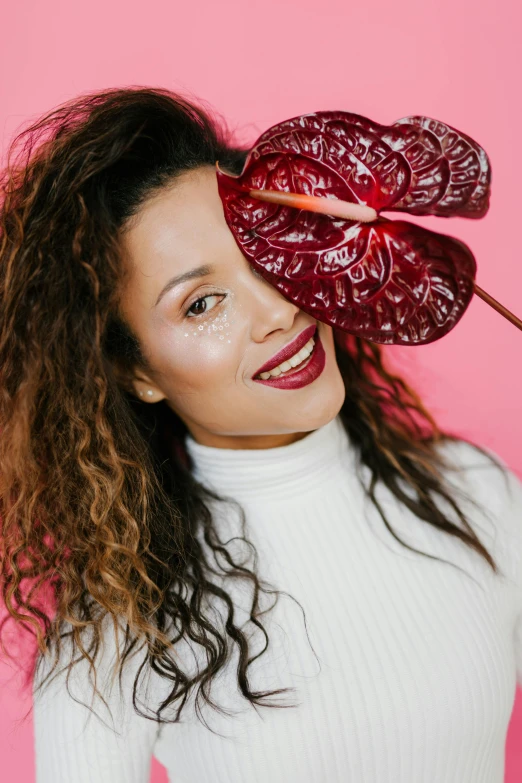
[178, 226]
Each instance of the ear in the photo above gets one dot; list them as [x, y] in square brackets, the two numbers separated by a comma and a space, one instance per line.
[138, 383]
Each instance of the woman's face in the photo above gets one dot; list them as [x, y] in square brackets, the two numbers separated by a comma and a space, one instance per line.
[207, 337]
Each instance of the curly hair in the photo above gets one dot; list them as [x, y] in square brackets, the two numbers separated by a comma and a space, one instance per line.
[99, 508]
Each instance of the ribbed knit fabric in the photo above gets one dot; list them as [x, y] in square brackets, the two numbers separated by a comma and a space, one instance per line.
[416, 663]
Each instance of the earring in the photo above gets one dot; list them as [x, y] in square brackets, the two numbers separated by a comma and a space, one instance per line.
[149, 393]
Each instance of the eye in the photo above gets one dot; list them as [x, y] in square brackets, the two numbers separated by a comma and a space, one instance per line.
[201, 299]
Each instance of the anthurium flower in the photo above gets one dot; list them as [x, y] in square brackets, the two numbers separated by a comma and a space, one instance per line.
[389, 281]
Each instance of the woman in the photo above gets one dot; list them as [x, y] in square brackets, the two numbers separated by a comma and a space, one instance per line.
[165, 493]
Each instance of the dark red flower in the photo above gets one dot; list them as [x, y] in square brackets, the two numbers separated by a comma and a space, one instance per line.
[388, 281]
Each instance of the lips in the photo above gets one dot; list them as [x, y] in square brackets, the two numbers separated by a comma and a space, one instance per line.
[289, 350]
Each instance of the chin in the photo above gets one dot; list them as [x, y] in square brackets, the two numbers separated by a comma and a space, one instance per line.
[323, 403]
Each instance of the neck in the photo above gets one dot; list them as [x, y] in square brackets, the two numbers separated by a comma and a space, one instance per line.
[264, 472]
[272, 441]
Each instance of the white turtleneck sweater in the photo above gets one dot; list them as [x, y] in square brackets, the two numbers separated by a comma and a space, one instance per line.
[418, 659]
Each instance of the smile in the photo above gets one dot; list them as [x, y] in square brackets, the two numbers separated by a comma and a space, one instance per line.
[288, 366]
[304, 373]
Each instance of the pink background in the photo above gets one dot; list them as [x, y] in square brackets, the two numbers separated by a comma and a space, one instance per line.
[260, 63]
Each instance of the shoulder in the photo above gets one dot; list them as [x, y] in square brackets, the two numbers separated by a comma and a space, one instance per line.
[483, 482]
[482, 471]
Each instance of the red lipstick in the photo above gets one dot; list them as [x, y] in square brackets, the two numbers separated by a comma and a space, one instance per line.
[289, 350]
[307, 372]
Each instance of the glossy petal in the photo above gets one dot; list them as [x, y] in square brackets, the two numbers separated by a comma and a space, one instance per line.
[388, 281]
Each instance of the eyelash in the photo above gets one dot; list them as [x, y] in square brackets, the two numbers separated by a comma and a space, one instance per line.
[200, 299]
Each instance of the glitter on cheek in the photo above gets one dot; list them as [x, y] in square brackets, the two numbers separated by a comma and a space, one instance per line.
[221, 322]
[214, 324]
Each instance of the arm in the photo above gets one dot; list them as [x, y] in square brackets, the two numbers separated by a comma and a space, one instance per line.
[510, 548]
[514, 523]
[500, 495]
[72, 743]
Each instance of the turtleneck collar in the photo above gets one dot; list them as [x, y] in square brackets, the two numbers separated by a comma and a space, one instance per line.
[247, 473]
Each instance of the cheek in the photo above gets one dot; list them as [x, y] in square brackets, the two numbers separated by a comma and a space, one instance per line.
[216, 333]
[219, 327]
[201, 350]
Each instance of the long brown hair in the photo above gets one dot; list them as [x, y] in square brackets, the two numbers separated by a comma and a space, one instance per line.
[98, 503]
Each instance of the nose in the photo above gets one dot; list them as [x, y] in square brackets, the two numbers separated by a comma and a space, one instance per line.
[268, 308]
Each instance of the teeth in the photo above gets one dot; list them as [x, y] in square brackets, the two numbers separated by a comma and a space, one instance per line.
[293, 361]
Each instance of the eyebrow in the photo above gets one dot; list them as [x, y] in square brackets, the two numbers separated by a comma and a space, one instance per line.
[198, 271]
